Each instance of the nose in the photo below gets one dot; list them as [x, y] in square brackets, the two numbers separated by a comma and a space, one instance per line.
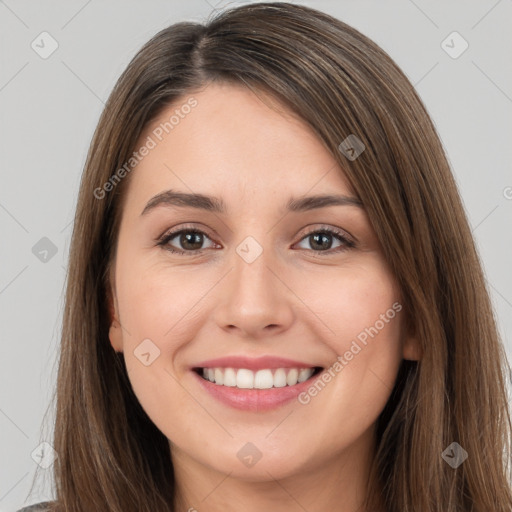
[255, 302]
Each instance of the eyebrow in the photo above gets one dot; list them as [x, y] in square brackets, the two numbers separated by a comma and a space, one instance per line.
[217, 205]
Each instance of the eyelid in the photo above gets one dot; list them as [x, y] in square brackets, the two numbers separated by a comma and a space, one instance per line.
[330, 229]
[185, 227]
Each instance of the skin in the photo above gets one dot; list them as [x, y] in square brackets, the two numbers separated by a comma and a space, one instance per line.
[295, 300]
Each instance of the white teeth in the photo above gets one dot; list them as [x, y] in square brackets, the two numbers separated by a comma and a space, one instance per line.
[292, 377]
[219, 376]
[244, 379]
[230, 377]
[304, 374]
[280, 378]
[262, 379]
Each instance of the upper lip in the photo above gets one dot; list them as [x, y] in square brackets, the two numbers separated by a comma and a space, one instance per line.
[251, 363]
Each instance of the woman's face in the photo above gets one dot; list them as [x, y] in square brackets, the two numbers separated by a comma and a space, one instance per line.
[280, 285]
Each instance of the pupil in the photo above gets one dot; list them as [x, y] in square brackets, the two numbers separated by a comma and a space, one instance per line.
[322, 237]
[189, 239]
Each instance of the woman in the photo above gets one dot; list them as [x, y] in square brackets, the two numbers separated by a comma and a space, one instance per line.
[263, 366]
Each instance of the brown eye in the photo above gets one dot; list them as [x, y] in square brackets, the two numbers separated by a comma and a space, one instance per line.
[321, 240]
[188, 240]
[191, 240]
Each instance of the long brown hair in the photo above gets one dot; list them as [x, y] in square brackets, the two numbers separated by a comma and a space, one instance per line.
[111, 457]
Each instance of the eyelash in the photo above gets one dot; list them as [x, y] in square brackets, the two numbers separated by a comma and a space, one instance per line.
[166, 238]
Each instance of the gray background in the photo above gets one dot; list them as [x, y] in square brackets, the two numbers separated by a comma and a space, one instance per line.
[49, 109]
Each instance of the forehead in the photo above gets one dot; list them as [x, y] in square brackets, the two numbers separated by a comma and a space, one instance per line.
[233, 143]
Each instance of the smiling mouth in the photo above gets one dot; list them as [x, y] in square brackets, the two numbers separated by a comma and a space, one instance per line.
[243, 378]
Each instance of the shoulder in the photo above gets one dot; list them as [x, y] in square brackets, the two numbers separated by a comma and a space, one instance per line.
[38, 507]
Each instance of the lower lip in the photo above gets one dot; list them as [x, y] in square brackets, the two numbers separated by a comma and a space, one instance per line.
[254, 399]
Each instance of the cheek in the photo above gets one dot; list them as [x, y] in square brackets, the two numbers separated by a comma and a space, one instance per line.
[361, 321]
[160, 311]
[353, 302]
[160, 304]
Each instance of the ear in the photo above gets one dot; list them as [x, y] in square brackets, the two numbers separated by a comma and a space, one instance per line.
[411, 346]
[411, 349]
[115, 332]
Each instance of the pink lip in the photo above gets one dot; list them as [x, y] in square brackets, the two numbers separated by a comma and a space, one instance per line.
[256, 400]
[251, 363]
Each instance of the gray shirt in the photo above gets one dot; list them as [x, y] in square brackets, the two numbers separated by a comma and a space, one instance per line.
[38, 507]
